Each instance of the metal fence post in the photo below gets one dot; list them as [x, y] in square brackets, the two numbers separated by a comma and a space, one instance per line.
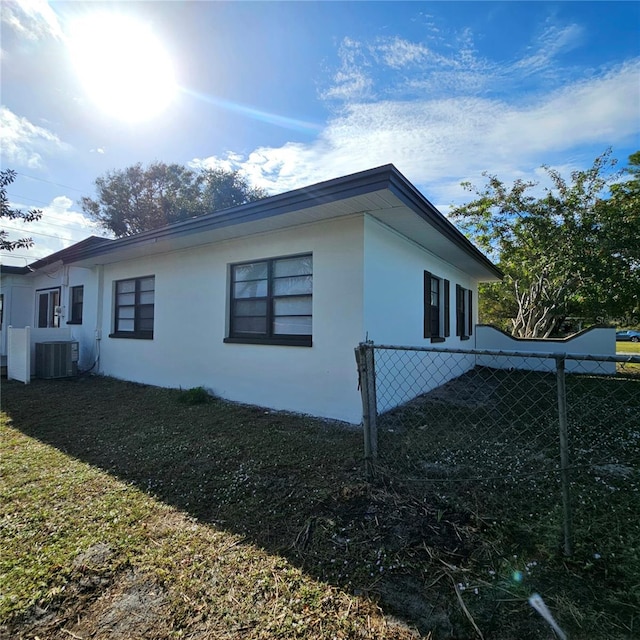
[367, 383]
[373, 398]
[564, 453]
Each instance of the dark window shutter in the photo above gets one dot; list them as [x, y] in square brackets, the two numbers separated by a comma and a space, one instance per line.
[459, 324]
[470, 312]
[427, 304]
[447, 318]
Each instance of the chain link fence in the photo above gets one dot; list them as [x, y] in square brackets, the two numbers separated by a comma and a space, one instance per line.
[548, 442]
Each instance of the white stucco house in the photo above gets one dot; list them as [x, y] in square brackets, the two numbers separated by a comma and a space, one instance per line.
[263, 303]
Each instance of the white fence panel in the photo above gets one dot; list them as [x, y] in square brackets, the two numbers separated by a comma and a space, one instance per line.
[19, 354]
[596, 341]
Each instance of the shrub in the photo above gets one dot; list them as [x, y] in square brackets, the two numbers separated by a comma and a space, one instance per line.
[196, 395]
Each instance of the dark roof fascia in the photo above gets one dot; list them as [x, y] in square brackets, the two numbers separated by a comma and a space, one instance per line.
[406, 192]
[371, 180]
[69, 254]
[272, 206]
[11, 270]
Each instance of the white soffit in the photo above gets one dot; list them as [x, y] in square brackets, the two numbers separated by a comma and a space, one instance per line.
[383, 205]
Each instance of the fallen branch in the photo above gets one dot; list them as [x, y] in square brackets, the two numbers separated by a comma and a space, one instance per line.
[463, 606]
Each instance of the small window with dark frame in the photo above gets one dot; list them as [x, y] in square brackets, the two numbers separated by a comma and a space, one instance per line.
[436, 307]
[134, 308]
[47, 308]
[271, 301]
[464, 312]
[76, 299]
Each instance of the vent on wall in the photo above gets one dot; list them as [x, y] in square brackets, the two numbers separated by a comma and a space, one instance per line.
[56, 359]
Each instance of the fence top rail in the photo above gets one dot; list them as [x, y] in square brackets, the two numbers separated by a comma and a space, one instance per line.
[553, 355]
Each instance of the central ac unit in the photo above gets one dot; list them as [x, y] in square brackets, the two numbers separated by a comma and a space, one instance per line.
[57, 359]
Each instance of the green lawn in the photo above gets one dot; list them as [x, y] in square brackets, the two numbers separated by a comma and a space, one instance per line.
[128, 513]
[626, 348]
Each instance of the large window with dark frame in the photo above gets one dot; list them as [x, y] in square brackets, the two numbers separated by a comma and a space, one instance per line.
[76, 301]
[271, 301]
[134, 308]
[436, 307]
[464, 312]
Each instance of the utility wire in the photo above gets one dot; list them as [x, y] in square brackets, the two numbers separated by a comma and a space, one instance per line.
[57, 184]
[49, 213]
[16, 195]
[72, 226]
[35, 233]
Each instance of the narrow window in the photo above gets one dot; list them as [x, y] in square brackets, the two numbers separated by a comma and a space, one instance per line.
[48, 308]
[464, 312]
[134, 308]
[447, 310]
[76, 298]
[436, 307]
[434, 315]
[271, 301]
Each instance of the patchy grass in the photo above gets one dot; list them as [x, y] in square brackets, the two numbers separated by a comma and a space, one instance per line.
[127, 513]
[130, 513]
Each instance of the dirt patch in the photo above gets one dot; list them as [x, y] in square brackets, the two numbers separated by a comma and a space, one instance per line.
[95, 558]
[130, 605]
[97, 602]
[131, 608]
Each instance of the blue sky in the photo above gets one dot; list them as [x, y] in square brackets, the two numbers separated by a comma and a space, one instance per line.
[293, 93]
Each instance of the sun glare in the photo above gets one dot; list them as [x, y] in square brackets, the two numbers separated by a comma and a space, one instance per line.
[123, 66]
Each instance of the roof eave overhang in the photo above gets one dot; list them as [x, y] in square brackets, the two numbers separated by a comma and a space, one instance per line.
[413, 199]
[276, 208]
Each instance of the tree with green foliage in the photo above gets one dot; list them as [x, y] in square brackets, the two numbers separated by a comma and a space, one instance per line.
[6, 211]
[617, 279]
[141, 198]
[567, 251]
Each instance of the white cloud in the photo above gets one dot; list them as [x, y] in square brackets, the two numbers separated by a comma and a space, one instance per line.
[59, 227]
[553, 41]
[398, 52]
[24, 143]
[349, 85]
[351, 81]
[397, 67]
[32, 19]
[599, 110]
[438, 142]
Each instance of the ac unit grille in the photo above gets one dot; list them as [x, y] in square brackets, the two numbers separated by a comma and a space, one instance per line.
[56, 359]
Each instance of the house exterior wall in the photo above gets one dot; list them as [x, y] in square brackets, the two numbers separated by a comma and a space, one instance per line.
[20, 309]
[191, 319]
[394, 288]
[84, 333]
[394, 315]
